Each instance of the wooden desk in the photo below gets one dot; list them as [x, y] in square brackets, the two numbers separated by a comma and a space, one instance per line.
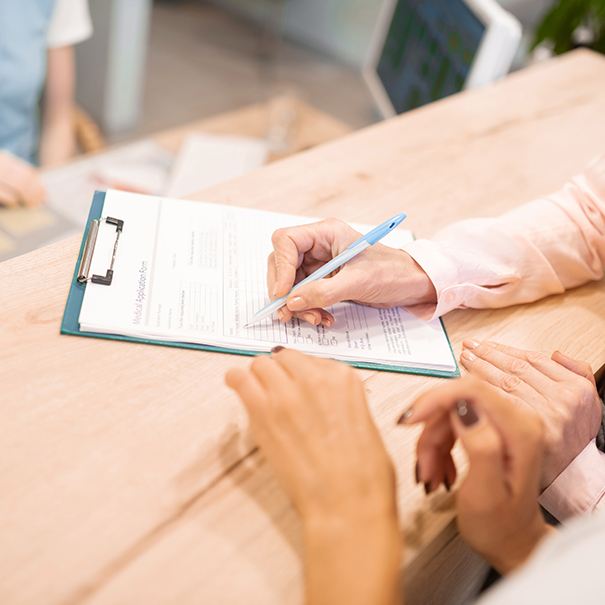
[127, 475]
[308, 126]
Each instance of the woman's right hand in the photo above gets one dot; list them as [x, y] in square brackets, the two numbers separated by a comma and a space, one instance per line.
[497, 503]
[380, 277]
[20, 183]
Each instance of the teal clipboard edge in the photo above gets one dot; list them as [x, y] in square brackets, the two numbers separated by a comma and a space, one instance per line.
[71, 326]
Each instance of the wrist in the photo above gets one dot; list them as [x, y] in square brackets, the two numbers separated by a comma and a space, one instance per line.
[375, 509]
[515, 553]
[345, 522]
[415, 283]
[352, 560]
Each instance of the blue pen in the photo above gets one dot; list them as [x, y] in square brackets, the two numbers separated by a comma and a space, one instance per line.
[357, 247]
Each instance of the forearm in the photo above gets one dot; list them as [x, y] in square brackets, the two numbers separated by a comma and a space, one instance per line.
[537, 249]
[352, 563]
[57, 141]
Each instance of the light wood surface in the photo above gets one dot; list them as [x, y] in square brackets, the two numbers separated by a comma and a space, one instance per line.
[302, 125]
[127, 473]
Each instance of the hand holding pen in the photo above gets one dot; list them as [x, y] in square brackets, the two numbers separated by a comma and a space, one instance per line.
[381, 276]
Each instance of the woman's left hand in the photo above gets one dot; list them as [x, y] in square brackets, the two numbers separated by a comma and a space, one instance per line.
[312, 422]
[560, 389]
[497, 503]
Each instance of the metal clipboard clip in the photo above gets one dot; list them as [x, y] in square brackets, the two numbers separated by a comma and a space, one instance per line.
[89, 249]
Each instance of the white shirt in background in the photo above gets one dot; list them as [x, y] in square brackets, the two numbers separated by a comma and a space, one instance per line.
[566, 570]
[70, 23]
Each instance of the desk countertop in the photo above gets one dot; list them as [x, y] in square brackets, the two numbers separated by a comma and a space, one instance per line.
[127, 472]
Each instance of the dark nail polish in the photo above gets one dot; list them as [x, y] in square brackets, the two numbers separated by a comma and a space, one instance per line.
[427, 488]
[406, 416]
[277, 349]
[466, 412]
[417, 473]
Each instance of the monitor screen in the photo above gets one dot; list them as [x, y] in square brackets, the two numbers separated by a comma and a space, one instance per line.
[428, 51]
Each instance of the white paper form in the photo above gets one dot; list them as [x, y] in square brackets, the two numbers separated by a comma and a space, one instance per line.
[205, 160]
[142, 166]
[194, 272]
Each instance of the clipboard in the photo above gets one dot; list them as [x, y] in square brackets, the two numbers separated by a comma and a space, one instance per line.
[70, 325]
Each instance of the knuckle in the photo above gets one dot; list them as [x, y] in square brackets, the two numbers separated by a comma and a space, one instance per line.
[586, 369]
[316, 380]
[341, 370]
[586, 391]
[258, 363]
[536, 357]
[568, 396]
[519, 366]
[509, 383]
[337, 374]
[278, 236]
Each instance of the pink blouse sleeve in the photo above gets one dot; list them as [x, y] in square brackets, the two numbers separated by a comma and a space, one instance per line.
[540, 248]
[580, 488]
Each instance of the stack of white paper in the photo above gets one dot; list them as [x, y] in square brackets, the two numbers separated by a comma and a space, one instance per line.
[196, 272]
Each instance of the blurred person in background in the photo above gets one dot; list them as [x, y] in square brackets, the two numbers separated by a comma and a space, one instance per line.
[37, 81]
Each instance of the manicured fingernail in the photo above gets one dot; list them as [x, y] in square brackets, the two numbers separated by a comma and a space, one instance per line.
[471, 343]
[417, 473]
[427, 488]
[468, 356]
[277, 349]
[327, 322]
[296, 303]
[405, 417]
[466, 412]
[446, 484]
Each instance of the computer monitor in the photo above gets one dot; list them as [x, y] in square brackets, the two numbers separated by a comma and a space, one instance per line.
[424, 50]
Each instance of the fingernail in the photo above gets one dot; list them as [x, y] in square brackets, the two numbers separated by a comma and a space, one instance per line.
[427, 488]
[327, 322]
[466, 412]
[296, 303]
[277, 349]
[468, 356]
[471, 343]
[446, 484]
[406, 415]
[417, 473]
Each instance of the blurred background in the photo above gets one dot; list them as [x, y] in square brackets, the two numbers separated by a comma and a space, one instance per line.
[195, 58]
[175, 96]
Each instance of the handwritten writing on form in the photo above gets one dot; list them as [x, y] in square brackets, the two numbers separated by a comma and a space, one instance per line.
[195, 272]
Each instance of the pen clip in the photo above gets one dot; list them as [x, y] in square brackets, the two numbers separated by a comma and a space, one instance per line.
[379, 232]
